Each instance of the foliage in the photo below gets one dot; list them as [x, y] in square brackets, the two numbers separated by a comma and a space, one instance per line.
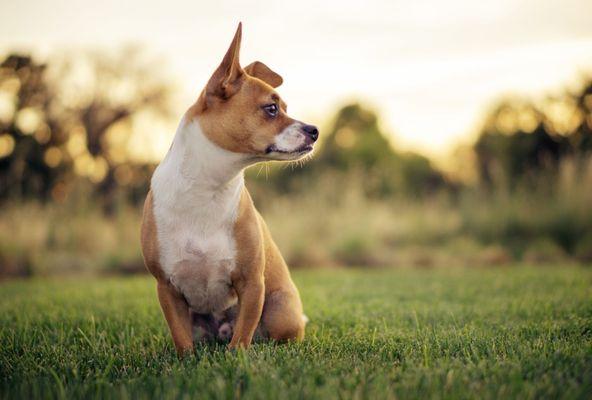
[28, 131]
[55, 130]
[522, 139]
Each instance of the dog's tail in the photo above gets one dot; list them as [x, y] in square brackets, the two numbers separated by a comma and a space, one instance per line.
[305, 319]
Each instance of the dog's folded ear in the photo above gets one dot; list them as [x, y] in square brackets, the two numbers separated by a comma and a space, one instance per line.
[263, 72]
[228, 77]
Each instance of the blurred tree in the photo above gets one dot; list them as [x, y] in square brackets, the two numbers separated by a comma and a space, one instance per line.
[581, 138]
[356, 142]
[519, 139]
[118, 88]
[31, 138]
[75, 120]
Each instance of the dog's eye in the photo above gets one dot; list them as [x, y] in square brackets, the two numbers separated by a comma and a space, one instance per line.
[271, 109]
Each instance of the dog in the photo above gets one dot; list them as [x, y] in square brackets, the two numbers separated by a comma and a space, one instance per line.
[217, 269]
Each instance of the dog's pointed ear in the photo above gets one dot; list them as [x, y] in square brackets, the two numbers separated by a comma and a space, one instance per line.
[228, 77]
[263, 72]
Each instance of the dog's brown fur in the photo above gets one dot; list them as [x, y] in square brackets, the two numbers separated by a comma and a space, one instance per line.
[266, 293]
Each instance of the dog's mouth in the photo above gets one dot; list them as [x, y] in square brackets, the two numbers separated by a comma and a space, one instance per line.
[307, 148]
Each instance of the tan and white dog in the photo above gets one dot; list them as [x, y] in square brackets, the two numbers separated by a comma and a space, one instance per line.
[218, 271]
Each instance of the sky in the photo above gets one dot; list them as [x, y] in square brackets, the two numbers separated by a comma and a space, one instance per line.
[430, 68]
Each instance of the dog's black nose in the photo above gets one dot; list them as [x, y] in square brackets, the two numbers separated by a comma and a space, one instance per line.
[311, 131]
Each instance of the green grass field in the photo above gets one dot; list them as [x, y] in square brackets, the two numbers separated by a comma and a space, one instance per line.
[483, 333]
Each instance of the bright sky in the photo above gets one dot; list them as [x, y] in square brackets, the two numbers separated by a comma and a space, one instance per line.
[431, 68]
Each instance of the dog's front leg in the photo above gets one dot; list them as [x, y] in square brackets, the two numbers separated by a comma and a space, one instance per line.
[178, 317]
[251, 295]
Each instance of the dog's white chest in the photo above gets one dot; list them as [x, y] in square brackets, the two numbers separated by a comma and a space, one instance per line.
[197, 250]
[199, 265]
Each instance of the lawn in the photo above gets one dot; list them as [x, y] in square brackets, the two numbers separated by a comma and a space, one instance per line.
[515, 332]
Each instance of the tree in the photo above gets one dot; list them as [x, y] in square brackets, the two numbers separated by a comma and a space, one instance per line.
[521, 138]
[120, 87]
[73, 120]
[30, 134]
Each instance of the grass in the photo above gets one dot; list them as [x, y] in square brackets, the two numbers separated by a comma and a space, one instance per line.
[457, 333]
[331, 222]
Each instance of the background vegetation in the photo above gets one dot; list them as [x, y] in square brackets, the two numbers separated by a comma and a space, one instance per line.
[74, 172]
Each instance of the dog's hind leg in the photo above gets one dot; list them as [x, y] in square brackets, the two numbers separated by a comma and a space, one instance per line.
[282, 317]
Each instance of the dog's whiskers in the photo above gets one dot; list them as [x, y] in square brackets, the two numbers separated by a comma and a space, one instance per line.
[258, 172]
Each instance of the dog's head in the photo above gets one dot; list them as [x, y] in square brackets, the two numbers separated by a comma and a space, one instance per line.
[240, 111]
